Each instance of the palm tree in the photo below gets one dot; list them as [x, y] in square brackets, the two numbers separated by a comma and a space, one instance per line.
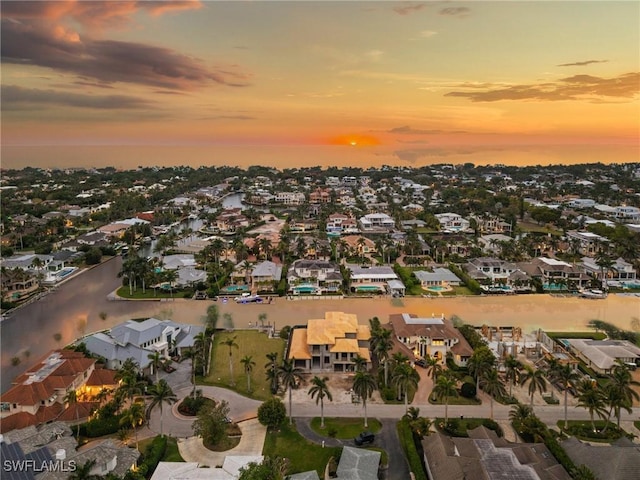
[536, 379]
[192, 354]
[289, 375]
[582, 472]
[513, 368]
[161, 393]
[382, 346]
[319, 391]
[262, 318]
[620, 392]
[480, 362]
[591, 398]
[231, 343]
[83, 472]
[133, 417]
[363, 385]
[433, 368]
[405, 378]
[71, 398]
[156, 362]
[272, 370]
[567, 376]
[445, 388]
[493, 386]
[248, 363]
[359, 363]
[170, 276]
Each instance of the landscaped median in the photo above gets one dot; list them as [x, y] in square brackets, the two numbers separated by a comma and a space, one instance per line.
[344, 428]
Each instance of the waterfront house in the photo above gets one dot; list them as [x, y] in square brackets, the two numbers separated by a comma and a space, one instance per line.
[490, 270]
[17, 284]
[314, 277]
[330, 343]
[440, 277]
[231, 220]
[430, 337]
[136, 340]
[374, 280]
[603, 355]
[587, 243]
[619, 271]
[290, 198]
[553, 273]
[265, 276]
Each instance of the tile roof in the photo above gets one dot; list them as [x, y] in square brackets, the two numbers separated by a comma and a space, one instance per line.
[102, 376]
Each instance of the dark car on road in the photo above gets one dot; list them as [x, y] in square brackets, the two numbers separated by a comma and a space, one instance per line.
[364, 438]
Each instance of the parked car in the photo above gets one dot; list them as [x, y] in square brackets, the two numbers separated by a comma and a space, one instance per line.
[421, 363]
[364, 438]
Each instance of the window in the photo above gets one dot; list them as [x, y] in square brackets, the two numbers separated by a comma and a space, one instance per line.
[437, 343]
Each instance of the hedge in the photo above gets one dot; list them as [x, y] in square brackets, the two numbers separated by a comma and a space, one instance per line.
[471, 284]
[99, 427]
[153, 454]
[408, 445]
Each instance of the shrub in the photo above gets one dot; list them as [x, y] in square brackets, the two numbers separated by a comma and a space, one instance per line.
[153, 454]
[272, 412]
[492, 425]
[191, 405]
[103, 425]
[408, 445]
[284, 332]
[468, 390]
[388, 394]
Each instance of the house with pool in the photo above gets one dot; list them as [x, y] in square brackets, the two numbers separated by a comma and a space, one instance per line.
[375, 280]
[314, 277]
[433, 336]
[441, 279]
[329, 344]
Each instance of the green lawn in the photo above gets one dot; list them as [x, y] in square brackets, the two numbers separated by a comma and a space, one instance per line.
[458, 291]
[147, 295]
[345, 427]
[459, 400]
[535, 228]
[252, 343]
[303, 454]
[171, 455]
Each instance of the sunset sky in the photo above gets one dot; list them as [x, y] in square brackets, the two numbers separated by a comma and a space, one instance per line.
[399, 80]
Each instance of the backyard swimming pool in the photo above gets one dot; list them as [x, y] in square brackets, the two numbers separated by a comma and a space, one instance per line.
[235, 288]
[65, 272]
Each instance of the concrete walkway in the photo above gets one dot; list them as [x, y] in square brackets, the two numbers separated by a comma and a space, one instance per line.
[253, 434]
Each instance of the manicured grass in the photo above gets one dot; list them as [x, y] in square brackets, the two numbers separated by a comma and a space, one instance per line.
[535, 228]
[304, 455]
[345, 427]
[592, 335]
[252, 343]
[458, 291]
[415, 290]
[147, 295]
[459, 400]
[171, 455]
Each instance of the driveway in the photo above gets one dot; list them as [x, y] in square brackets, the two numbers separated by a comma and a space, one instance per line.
[387, 439]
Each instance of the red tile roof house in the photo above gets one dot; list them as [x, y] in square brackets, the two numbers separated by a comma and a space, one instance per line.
[37, 396]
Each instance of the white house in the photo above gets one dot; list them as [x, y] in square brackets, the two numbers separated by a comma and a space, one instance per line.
[377, 220]
[452, 222]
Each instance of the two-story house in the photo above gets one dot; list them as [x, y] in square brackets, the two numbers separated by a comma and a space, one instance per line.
[430, 337]
[314, 277]
[452, 222]
[330, 343]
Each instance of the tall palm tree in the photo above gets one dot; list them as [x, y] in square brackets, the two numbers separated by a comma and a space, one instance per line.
[591, 398]
[480, 362]
[161, 393]
[133, 417]
[444, 389]
[493, 386]
[363, 385]
[156, 362]
[272, 370]
[513, 368]
[289, 375]
[536, 379]
[248, 363]
[405, 378]
[71, 398]
[567, 376]
[382, 346]
[231, 343]
[319, 391]
[193, 354]
[620, 392]
[170, 276]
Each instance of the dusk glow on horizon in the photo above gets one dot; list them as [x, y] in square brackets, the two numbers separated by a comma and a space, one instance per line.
[413, 82]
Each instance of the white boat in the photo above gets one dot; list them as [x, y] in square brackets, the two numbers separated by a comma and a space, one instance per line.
[249, 299]
[595, 294]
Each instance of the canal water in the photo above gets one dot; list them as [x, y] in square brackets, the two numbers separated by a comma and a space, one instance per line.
[75, 309]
